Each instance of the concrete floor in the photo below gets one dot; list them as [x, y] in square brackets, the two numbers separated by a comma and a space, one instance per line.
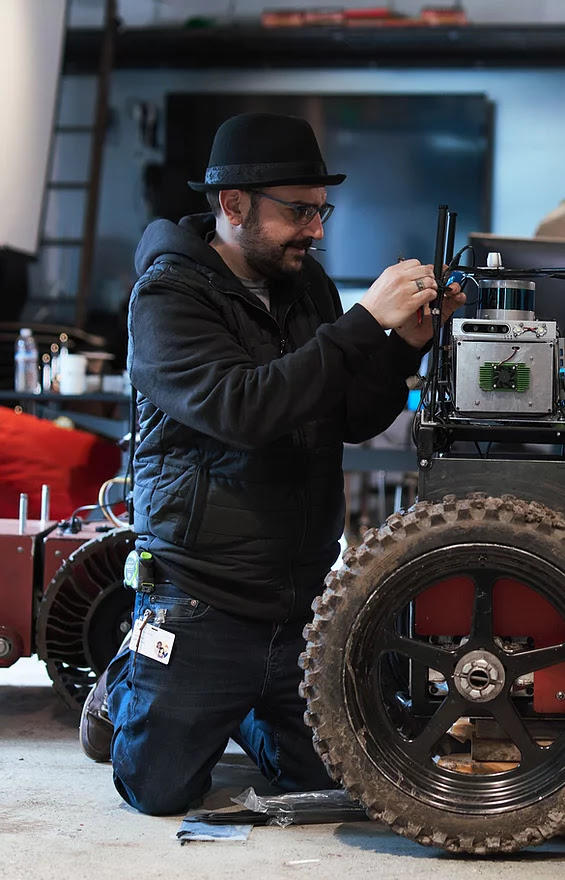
[60, 817]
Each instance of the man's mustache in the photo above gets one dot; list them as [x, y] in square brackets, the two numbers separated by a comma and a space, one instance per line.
[305, 243]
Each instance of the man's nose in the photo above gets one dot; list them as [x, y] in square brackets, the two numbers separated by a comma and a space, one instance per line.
[315, 227]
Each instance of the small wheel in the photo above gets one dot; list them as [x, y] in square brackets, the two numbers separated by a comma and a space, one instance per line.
[85, 614]
[389, 687]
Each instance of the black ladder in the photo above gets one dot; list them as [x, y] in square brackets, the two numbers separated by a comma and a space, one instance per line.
[91, 186]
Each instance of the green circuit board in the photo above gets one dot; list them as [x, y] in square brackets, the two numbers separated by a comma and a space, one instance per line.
[504, 377]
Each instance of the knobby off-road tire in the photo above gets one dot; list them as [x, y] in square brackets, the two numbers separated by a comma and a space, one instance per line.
[357, 599]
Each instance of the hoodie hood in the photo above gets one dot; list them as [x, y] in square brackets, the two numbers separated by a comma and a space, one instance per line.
[186, 238]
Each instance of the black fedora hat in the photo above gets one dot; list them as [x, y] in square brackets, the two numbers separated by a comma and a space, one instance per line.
[265, 149]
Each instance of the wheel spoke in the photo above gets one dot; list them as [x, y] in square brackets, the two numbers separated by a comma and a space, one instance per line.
[507, 716]
[530, 661]
[445, 717]
[557, 746]
[429, 655]
[481, 625]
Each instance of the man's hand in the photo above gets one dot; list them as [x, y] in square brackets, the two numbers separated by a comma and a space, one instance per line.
[399, 292]
[417, 332]
[399, 299]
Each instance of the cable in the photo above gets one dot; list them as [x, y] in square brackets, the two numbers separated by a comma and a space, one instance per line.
[454, 263]
[415, 427]
[433, 383]
[104, 505]
[515, 348]
[74, 521]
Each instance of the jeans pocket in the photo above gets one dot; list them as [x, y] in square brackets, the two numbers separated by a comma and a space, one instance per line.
[177, 605]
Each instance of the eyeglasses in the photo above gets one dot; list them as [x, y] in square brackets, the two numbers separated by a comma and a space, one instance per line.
[303, 214]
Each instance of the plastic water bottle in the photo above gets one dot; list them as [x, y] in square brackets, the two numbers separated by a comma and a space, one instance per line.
[26, 363]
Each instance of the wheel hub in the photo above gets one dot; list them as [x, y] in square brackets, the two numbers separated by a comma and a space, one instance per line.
[479, 676]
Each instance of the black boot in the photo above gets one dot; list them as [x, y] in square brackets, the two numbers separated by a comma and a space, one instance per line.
[96, 729]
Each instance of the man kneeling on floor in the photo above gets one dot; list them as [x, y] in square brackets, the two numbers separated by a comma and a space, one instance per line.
[249, 379]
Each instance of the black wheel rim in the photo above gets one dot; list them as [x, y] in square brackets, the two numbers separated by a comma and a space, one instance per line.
[81, 617]
[107, 622]
[402, 747]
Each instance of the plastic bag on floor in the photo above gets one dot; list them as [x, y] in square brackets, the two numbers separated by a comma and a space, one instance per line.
[301, 808]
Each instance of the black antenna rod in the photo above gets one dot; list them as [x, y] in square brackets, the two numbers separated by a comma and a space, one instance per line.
[435, 308]
[440, 242]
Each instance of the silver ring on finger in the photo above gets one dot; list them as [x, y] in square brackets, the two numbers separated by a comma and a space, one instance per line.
[420, 284]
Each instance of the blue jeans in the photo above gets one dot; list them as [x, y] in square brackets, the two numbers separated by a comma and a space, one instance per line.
[227, 677]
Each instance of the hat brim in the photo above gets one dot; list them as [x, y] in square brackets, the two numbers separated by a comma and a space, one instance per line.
[319, 180]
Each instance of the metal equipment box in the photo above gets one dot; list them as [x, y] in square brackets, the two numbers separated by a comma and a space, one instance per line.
[505, 367]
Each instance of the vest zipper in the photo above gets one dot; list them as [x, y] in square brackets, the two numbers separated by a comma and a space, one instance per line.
[283, 339]
[196, 512]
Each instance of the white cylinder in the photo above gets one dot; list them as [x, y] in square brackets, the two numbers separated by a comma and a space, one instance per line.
[22, 525]
[45, 503]
[73, 374]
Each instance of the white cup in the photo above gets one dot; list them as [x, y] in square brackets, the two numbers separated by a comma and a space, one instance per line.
[73, 374]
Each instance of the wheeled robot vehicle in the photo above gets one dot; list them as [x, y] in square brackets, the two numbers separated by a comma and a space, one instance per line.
[434, 670]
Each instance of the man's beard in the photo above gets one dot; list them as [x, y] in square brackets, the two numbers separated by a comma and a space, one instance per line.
[268, 258]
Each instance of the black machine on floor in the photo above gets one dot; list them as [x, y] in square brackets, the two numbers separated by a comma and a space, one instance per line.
[434, 670]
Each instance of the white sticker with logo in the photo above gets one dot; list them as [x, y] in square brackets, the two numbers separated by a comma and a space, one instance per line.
[154, 642]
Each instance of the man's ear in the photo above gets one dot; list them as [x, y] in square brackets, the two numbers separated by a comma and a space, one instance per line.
[234, 204]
